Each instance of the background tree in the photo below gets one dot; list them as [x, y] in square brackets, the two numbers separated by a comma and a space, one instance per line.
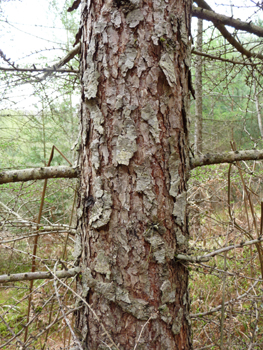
[198, 89]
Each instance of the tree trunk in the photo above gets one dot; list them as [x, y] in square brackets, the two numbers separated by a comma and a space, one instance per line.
[258, 109]
[134, 164]
[198, 90]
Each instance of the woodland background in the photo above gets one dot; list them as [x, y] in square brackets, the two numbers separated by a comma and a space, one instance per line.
[39, 110]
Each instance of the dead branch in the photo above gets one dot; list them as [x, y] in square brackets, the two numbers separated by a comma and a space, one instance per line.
[62, 62]
[230, 21]
[44, 70]
[229, 157]
[20, 238]
[38, 174]
[48, 70]
[29, 276]
[33, 226]
[68, 172]
[196, 259]
[74, 6]
[227, 35]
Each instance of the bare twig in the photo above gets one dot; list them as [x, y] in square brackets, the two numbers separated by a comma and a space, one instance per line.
[226, 303]
[196, 259]
[89, 307]
[141, 332]
[62, 62]
[42, 233]
[27, 324]
[219, 58]
[76, 340]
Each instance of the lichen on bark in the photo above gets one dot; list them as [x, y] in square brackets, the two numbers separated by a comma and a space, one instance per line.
[179, 211]
[101, 211]
[127, 59]
[91, 75]
[126, 141]
[102, 264]
[177, 323]
[149, 114]
[159, 247]
[167, 65]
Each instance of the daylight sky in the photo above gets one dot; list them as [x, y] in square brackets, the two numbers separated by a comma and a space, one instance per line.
[30, 30]
[30, 26]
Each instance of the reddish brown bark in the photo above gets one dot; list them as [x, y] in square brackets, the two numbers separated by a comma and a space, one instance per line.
[134, 166]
